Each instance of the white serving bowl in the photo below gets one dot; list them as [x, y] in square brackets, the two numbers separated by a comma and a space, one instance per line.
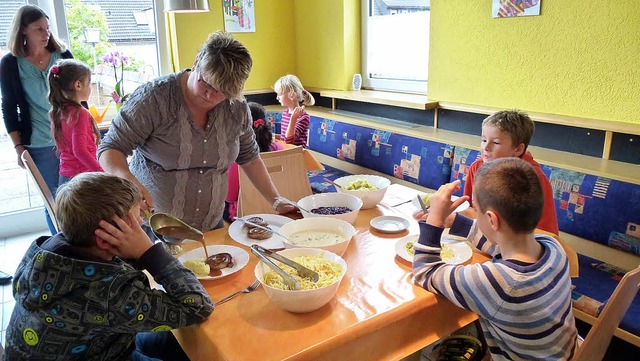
[369, 198]
[302, 301]
[331, 200]
[325, 224]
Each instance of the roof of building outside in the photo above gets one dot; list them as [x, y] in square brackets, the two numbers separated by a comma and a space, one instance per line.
[120, 19]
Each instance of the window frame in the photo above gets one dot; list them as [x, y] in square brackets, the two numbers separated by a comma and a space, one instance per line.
[58, 24]
[406, 86]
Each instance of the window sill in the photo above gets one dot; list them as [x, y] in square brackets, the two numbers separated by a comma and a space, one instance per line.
[405, 100]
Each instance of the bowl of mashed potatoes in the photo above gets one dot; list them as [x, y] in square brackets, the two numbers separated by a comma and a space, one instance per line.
[330, 267]
[330, 234]
[369, 188]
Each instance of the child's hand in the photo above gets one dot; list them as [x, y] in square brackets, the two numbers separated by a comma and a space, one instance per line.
[297, 112]
[127, 240]
[441, 206]
[421, 216]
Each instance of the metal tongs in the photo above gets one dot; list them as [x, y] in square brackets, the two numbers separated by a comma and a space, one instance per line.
[264, 254]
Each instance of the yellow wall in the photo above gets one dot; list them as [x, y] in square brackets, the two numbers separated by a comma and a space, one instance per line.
[327, 42]
[272, 46]
[319, 41]
[579, 58]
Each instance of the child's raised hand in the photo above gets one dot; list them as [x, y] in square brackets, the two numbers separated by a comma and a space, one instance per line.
[421, 216]
[297, 112]
[128, 240]
[441, 206]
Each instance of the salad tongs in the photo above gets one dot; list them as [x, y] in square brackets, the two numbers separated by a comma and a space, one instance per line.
[264, 255]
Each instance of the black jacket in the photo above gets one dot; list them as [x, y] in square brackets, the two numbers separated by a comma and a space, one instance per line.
[15, 107]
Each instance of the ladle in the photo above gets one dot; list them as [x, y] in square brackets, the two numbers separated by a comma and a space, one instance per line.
[174, 231]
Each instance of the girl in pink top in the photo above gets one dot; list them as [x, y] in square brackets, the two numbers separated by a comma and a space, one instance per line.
[264, 138]
[74, 130]
[294, 127]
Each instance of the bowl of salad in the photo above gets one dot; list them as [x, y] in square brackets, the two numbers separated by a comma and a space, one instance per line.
[369, 188]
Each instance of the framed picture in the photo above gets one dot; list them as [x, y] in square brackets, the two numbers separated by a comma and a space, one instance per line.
[239, 16]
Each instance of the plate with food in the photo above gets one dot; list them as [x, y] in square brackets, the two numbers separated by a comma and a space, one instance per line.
[249, 235]
[426, 199]
[223, 260]
[404, 247]
[451, 253]
[389, 224]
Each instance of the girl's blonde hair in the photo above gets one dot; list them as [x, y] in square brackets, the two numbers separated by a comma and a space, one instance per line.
[62, 78]
[17, 41]
[291, 86]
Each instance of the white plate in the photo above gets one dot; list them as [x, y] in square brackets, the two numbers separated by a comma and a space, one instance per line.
[401, 251]
[460, 208]
[238, 231]
[389, 224]
[461, 250]
[240, 257]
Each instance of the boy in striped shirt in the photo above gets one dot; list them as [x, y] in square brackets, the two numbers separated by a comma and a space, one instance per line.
[523, 295]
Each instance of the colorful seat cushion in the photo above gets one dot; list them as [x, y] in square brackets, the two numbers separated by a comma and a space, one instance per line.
[594, 287]
[319, 185]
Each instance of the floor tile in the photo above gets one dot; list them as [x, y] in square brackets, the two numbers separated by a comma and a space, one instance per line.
[7, 309]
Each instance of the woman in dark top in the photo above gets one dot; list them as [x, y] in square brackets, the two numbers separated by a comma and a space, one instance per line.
[23, 81]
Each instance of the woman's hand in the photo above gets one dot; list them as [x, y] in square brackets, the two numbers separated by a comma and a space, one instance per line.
[126, 239]
[19, 150]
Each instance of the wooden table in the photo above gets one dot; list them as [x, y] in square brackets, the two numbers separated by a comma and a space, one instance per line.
[377, 314]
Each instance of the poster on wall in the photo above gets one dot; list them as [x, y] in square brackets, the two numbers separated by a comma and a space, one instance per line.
[511, 8]
[239, 16]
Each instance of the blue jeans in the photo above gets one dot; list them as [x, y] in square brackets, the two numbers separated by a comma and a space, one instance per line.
[157, 346]
[48, 164]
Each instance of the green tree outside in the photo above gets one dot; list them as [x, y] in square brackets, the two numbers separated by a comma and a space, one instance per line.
[79, 17]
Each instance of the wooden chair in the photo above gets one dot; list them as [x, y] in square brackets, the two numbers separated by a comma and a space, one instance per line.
[45, 192]
[289, 175]
[595, 345]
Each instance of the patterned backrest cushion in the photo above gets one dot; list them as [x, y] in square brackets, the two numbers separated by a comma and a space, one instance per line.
[419, 161]
[462, 160]
[585, 203]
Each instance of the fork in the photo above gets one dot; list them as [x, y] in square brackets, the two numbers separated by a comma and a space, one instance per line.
[251, 288]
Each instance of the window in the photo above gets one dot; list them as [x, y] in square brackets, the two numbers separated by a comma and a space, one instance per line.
[395, 44]
[135, 27]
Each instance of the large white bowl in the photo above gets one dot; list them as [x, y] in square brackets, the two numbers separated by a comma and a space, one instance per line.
[302, 301]
[369, 198]
[325, 224]
[331, 200]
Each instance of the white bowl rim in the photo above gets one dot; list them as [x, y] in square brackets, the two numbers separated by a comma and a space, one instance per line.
[348, 178]
[318, 252]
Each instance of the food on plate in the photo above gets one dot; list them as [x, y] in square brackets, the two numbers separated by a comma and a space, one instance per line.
[220, 261]
[447, 253]
[315, 238]
[328, 211]
[360, 185]
[409, 247]
[211, 266]
[257, 220]
[426, 199]
[328, 271]
[254, 232]
[198, 267]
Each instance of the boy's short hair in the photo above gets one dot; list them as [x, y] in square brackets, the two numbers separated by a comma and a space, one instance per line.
[510, 187]
[516, 123]
[89, 198]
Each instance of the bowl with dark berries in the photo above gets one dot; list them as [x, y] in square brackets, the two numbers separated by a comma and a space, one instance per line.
[331, 205]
